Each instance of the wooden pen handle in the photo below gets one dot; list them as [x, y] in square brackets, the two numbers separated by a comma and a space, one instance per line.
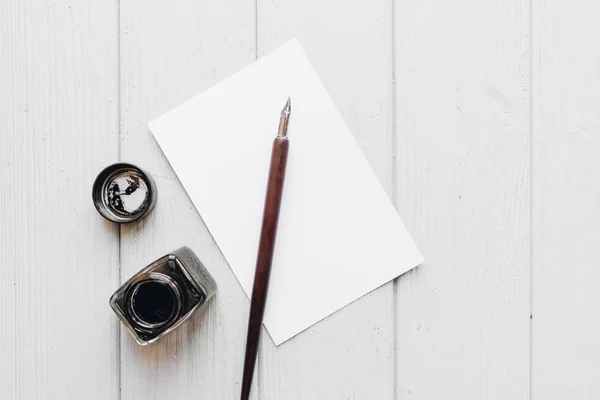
[265, 258]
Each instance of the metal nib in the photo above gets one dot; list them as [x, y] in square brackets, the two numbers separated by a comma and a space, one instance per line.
[285, 117]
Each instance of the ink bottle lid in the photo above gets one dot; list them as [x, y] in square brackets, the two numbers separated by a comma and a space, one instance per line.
[124, 193]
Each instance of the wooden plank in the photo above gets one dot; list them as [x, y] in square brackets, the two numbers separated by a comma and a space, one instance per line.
[170, 52]
[350, 354]
[566, 193]
[463, 182]
[59, 128]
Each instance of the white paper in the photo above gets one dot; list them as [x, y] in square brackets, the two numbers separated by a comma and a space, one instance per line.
[339, 236]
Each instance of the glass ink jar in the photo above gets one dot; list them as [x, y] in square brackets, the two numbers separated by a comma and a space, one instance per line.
[163, 295]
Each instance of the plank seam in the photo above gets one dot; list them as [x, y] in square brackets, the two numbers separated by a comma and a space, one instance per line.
[119, 138]
[531, 202]
[394, 163]
[260, 347]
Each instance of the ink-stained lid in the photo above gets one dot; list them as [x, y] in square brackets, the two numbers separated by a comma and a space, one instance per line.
[124, 193]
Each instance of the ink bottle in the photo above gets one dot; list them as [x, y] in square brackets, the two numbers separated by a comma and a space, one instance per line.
[163, 295]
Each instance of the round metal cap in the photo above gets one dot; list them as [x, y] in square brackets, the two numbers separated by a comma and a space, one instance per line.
[124, 193]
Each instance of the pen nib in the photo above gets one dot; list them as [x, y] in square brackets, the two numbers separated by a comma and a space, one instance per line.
[285, 116]
[288, 106]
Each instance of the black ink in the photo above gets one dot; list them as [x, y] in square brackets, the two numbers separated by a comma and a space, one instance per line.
[154, 302]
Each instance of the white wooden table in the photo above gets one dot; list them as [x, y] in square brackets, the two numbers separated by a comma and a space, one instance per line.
[480, 117]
